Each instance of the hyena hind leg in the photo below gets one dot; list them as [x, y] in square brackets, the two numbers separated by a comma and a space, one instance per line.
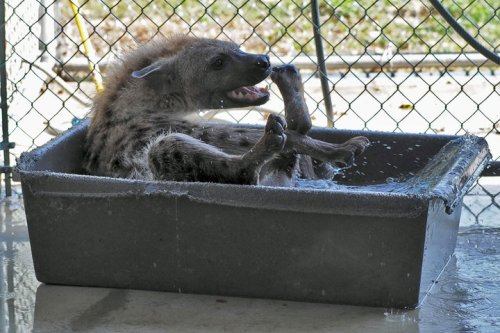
[180, 157]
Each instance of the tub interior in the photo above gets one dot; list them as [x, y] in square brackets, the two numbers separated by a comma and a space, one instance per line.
[391, 156]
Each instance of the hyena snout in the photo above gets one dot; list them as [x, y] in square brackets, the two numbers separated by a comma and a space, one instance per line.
[262, 61]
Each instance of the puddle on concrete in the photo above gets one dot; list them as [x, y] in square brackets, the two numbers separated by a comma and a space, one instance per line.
[468, 292]
[17, 276]
[466, 299]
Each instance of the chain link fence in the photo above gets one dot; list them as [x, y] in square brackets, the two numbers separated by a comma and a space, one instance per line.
[389, 65]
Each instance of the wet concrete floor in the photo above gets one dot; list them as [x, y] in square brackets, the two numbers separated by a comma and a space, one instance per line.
[465, 299]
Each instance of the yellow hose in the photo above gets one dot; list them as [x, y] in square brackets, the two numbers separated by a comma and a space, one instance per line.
[87, 46]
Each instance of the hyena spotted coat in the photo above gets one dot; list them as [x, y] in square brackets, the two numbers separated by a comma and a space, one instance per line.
[140, 127]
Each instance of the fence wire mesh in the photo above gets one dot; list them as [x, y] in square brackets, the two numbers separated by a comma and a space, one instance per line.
[392, 65]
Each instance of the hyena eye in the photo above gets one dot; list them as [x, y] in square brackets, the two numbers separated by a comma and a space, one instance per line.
[218, 63]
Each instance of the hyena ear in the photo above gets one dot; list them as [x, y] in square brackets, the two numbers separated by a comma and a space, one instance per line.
[144, 72]
[159, 76]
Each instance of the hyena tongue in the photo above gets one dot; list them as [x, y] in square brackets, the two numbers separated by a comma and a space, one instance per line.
[248, 93]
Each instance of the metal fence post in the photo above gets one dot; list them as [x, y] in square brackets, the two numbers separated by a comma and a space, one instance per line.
[321, 63]
[5, 145]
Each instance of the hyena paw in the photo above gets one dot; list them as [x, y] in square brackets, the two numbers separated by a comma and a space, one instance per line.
[275, 136]
[286, 75]
[357, 144]
[344, 155]
[344, 158]
[287, 69]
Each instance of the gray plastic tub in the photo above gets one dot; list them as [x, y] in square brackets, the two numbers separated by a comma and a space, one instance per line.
[374, 245]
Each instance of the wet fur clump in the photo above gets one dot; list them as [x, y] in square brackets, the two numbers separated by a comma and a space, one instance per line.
[141, 129]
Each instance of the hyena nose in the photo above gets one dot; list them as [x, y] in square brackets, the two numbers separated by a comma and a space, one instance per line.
[263, 61]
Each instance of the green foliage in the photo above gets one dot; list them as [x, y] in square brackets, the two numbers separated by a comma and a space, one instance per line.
[285, 27]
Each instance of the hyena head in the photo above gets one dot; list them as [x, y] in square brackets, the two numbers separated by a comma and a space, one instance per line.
[209, 74]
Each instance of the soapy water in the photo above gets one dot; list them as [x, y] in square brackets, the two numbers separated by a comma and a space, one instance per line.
[455, 154]
[391, 185]
[410, 183]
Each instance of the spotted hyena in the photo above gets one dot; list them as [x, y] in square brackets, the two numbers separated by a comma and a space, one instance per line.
[140, 127]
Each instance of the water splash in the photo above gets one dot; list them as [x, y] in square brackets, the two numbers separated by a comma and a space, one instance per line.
[392, 185]
[444, 176]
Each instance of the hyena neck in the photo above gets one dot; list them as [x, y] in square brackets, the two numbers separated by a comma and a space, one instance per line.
[134, 99]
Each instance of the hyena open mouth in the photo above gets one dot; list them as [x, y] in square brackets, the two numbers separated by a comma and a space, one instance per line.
[249, 94]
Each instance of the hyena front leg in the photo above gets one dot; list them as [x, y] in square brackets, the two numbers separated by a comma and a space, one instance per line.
[181, 157]
[289, 82]
[285, 167]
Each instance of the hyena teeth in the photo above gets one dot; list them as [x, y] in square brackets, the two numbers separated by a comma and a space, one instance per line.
[251, 92]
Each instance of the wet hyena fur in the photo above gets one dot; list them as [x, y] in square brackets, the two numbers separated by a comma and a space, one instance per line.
[140, 127]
